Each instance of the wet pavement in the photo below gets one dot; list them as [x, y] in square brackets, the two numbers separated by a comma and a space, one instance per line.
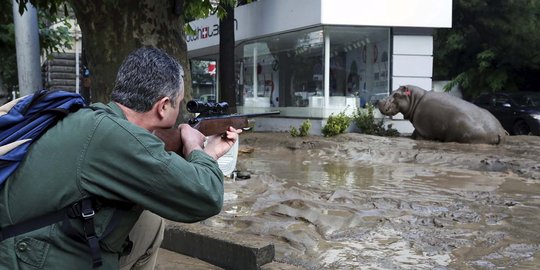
[365, 202]
[168, 260]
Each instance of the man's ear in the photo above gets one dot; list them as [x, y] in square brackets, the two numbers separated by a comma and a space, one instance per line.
[162, 105]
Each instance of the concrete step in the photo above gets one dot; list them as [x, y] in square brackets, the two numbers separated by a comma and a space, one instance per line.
[220, 248]
[170, 260]
[196, 246]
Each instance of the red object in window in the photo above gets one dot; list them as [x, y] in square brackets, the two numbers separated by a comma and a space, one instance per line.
[212, 68]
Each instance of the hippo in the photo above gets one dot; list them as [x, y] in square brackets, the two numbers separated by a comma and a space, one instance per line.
[443, 117]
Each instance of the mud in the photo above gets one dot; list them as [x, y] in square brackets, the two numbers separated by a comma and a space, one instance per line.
[365, 202]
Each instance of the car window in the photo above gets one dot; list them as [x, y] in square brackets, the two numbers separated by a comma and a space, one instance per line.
[527, 100]
[485, 100]
[534, 101]
[500, 101]
[521, 101]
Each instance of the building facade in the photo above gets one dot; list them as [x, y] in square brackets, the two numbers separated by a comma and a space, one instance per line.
[313, 58]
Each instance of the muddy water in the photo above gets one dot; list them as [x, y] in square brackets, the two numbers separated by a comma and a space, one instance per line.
[366, 202]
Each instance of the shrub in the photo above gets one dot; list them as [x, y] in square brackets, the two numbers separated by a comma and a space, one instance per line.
[302, 131]
[366, 122]
[304, 128]
[294, 132]
[336, 124]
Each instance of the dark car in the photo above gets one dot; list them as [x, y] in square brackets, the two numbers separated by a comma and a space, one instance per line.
[518, 112]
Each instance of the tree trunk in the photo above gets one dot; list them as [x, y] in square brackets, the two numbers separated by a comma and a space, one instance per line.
[113, 29]
[227, 84]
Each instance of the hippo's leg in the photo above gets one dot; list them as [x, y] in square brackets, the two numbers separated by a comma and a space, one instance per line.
[416, 136]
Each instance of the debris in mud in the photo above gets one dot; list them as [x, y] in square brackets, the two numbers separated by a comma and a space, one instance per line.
[306, 144]
[242, 175]
[510, 203]
[494, 165]
[246, 150]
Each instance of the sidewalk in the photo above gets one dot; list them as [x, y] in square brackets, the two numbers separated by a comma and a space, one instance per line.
[168, 260]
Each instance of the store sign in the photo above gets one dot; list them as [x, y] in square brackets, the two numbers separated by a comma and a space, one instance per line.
[207, 32]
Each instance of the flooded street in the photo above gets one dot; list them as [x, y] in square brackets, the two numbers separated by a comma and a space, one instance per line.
[365, 202]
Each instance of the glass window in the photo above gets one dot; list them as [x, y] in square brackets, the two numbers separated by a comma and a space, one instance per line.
[203, 80]
[282, 71]
[288, 70]
[501, 101]
[526, 100]
[359, 63]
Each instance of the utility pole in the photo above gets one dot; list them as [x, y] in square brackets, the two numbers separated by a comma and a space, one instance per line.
[27, 47]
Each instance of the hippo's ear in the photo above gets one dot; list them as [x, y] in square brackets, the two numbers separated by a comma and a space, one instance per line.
[405, 90]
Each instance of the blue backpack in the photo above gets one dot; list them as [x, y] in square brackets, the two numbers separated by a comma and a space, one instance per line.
[24, 120]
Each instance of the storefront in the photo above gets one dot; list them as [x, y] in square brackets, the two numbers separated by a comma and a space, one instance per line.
[312, 58]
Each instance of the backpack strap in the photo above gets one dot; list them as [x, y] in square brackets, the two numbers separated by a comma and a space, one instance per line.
[83, 210]
[88, 213]
[31, 224]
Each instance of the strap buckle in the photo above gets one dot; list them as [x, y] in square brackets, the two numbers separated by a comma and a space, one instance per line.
[88, 214]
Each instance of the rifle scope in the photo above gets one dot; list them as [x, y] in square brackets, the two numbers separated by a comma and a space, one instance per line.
[208, 108]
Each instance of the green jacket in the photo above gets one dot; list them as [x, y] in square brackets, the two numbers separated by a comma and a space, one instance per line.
[97, 152]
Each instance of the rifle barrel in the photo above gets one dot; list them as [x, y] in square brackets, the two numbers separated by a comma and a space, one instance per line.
[249, 115]
[217, 124]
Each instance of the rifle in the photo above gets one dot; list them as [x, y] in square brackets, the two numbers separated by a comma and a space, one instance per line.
[212, 119]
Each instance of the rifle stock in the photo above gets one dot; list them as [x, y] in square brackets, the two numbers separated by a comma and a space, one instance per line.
[171, 138]
[213, 125]
[208, 126]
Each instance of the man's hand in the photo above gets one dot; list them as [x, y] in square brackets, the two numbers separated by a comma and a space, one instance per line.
[191, 139]
[218, 145]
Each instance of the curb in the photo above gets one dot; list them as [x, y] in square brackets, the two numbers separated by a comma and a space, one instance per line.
[219, 248]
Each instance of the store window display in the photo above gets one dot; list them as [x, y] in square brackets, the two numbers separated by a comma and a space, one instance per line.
[359, 64]
[288, 70]
[284, 70]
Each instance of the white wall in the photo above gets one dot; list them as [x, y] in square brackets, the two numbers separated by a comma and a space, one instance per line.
[413, 45]
[266, 17]
[260, 19]
[403, 13]
[412, 61]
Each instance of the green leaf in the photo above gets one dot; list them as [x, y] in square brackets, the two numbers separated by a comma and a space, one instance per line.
[492, 46]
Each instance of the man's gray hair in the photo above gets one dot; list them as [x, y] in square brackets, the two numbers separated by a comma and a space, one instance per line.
[147, 75]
